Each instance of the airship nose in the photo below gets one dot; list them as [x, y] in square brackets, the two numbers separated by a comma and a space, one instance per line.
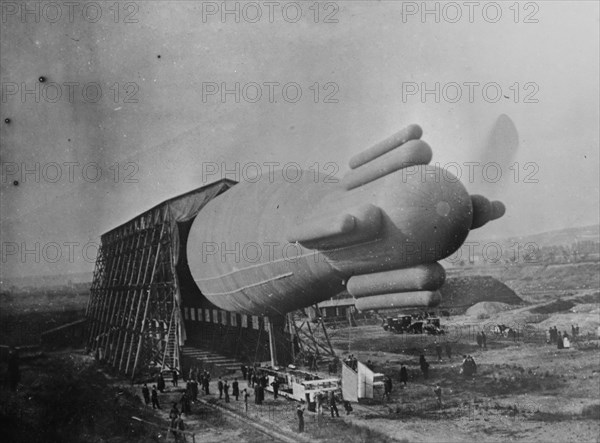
[430, 210]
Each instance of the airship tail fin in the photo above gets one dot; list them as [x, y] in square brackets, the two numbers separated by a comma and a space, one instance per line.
[425, 299]
[411, 132]
[400, 288]
[426, 277]
[411, 153]
[330, 232]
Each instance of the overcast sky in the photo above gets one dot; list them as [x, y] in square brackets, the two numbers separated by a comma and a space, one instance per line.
[160, 68]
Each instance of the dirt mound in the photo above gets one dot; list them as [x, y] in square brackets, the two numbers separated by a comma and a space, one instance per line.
[460, 293]
[590, 308]
[487, 308]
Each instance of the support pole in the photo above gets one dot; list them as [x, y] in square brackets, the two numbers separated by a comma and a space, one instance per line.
[272, 347]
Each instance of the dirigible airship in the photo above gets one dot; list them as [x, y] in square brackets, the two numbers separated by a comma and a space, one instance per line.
[279, 244]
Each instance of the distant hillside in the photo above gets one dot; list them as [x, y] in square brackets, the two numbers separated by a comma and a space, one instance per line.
[560, 237]
[535, 283]
[46, 281]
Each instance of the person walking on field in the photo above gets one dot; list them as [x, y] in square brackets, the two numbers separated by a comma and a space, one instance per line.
[226, 390]
[220, 388]
[438, 350]
[403, 375]
[275, 385]
[300, 413]
[155, 403]
[333, 405]
[235, 386]
[438, 393]
[424, 366]
[146, 394]
[161, 382]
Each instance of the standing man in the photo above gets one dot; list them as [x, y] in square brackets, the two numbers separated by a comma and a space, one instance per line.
[438, 393]
[155, 403]
[438, 350]
[226, 390]
[246, 395]
[185, 404]
[146, 394]
[403, 375]
[424, 366]
[161, 382]
[275, 385]
[235, 386]
[300, 412]
[483, 340]
[194, 390]
[175, 377]
[319, 399]
[220, 388]
[333, 405]
[388, 388]
[244, 371]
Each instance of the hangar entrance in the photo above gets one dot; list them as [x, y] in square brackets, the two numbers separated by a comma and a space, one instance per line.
[136, 297]
[144, 304]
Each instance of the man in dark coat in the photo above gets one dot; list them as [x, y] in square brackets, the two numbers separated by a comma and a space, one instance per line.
[146, 394]
[403, 375]
[257, 394]
[175, 377]
[300, 413]
[275, 385]
[194, 390]
[185, 404]
[155, 403]
[438, 350]
[424, 366]
[220, 388]
[160, 383]
[235, 386]
[244, 371]
[261, 394]
[333, 405]
[226, 391]
[387, 384]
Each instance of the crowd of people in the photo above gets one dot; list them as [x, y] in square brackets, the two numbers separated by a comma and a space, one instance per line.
[257, 381]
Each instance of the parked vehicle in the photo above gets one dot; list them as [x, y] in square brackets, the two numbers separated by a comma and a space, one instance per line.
[397, 324]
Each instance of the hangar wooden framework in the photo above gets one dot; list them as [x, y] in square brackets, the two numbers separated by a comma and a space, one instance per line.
[134, 310]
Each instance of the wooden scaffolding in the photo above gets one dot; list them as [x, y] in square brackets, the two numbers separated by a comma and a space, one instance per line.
[134, 310]
[309, 339]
